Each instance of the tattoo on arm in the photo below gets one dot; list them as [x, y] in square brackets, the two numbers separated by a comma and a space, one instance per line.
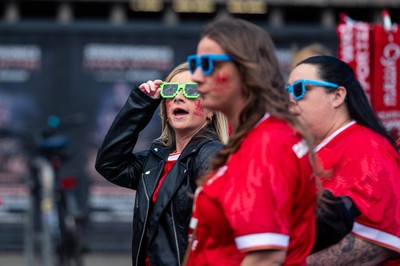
[350, 251]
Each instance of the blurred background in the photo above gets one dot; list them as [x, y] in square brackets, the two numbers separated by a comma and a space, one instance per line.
[77, 60]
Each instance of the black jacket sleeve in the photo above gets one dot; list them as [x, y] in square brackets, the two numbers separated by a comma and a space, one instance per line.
[205, 156]
[115, 160]
[202, 161]
[335, 217]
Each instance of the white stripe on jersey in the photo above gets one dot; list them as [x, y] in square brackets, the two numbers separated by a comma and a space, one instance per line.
[301, 148]
[376, 235]
[262, 239]
[193, 223]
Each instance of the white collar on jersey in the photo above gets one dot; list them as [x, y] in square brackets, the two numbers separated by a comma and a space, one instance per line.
[266, 116]
[333, 135]
[173, 156]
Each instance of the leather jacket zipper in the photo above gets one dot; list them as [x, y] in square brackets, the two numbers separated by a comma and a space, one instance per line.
[175, 234]
[145, 220]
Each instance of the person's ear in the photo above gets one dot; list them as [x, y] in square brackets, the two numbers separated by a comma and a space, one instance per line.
[209, 118]
[209, 114]
[340, 95]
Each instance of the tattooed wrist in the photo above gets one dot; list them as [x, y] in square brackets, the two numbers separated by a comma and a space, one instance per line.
[350, 251]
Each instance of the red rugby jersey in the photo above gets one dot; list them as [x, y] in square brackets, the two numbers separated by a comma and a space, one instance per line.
[367, 169]
[263, 198]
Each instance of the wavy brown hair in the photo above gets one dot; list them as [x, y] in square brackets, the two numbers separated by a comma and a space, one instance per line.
[263, 85]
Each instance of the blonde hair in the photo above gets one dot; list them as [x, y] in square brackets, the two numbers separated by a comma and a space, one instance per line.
[309, 51]
[217, 124]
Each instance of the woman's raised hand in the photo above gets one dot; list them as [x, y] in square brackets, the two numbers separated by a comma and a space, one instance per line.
[151, 88]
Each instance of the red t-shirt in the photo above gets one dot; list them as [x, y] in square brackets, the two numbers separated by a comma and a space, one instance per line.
[168, 165]
[263, 198]
[367, 169]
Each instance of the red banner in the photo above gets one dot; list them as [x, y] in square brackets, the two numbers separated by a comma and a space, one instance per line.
[355, 49]
[386, 69]
[373, 51]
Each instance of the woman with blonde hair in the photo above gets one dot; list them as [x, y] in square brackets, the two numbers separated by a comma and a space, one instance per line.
[164, 176]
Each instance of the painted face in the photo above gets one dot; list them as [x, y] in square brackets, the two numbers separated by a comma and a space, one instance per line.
[220, 89]
[316, 110]
[186, 116]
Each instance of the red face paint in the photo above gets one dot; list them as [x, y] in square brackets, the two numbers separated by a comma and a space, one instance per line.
[199, 109]
[167, 105]
[167, 108]
[221, 82]
[199, 106]
[221, 77]
[199, 114]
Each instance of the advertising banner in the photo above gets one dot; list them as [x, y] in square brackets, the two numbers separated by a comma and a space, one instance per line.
[354, 48]
[21, 70]
[23, 67]
[373, 51]
[386, 69]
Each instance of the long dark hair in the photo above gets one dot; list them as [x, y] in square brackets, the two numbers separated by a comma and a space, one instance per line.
[334, 70]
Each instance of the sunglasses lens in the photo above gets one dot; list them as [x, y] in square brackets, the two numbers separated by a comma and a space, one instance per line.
[169, 90]
[205, 64]
[192, 64]
[191, 90]
[297, 90]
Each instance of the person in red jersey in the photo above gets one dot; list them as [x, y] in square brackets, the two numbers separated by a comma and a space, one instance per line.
[257, 205]
[164, 176]
[360, 154]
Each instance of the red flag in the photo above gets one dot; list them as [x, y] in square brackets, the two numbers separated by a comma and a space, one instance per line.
[386, 73]
[355, 49]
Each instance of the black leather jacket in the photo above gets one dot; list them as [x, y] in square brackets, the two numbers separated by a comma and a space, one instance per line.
[165, 239]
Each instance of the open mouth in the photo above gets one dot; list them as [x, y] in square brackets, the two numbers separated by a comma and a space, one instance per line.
[179, 111]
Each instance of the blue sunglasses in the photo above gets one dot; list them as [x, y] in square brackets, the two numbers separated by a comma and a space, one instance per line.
[298, 88]
[206, 62]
